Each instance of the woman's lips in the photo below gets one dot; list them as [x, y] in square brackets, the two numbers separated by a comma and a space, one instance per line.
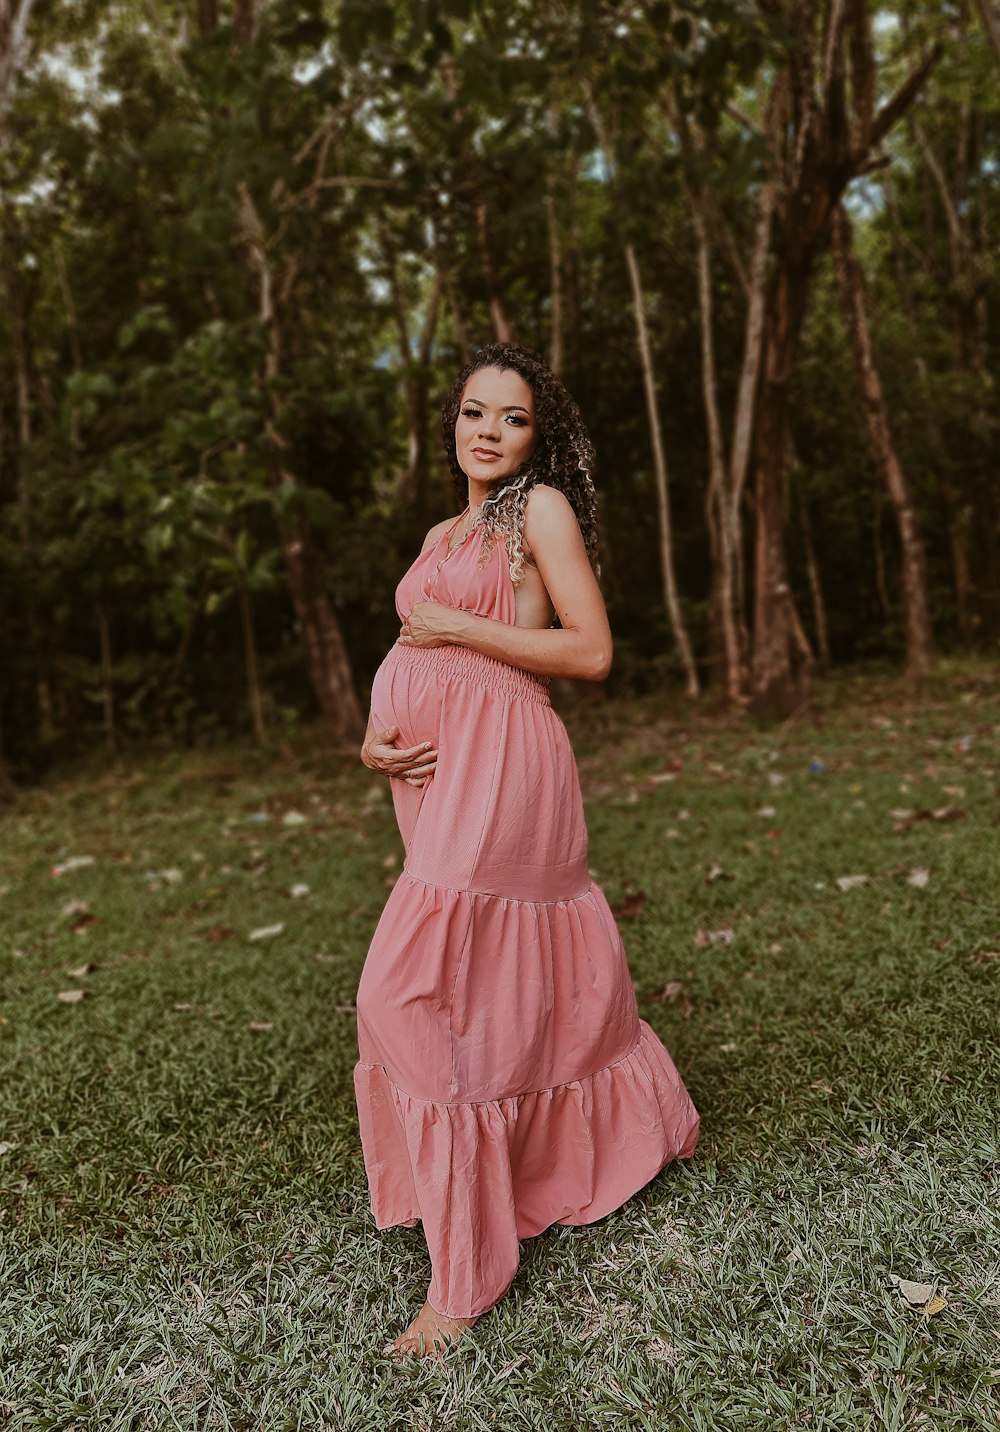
[484, 455]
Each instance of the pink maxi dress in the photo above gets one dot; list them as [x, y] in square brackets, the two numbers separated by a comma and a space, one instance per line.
[505, 1080]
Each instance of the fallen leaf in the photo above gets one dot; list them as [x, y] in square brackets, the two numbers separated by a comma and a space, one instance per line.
[71, 996]
[181, 1006]
[86, 968]
[262, 1025]
[631, 906]
[921, 1297]
[7, 1145]
[76, 862]
[716, 872]
[389, 861]
[982, 956]
[293, 817]
[345, 1007]
[299, 892]
[919, 877]
[674, 992]
[75, 907]
[266, 932]
[850, 882]
[714, 937]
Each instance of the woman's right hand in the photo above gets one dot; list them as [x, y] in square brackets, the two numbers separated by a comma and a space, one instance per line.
[413, 764]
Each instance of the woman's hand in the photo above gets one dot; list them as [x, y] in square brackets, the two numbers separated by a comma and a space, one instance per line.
[413, 764]
[428, 624]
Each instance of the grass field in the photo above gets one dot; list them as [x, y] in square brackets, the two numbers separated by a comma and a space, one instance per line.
[185, 1233]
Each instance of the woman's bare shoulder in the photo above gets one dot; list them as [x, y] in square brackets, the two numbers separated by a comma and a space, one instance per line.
[548, 511]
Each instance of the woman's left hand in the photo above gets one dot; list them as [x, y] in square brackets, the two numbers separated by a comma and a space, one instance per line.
[429, 624]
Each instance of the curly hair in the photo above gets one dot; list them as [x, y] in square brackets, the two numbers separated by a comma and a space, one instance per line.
[563, 455]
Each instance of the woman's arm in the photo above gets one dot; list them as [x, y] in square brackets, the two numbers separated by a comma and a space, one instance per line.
[583, 648]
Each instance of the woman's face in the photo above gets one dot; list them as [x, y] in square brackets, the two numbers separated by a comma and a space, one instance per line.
[496, 429]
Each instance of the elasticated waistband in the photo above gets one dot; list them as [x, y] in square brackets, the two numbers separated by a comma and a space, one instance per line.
[464, 664]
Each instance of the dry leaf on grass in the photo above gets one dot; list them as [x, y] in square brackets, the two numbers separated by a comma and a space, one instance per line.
[714, 937]
[631, 906]
[86, 968]
[71, 996]
[919, 877]
[673, 992]
[716, 872]
[265, 932]
[260, 1024]
[921, 1297]
[850, 882]
[75, 862]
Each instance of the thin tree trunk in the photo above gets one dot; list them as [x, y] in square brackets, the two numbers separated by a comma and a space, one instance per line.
[935, 440]
[919, 639]
[991, 24]
[662, 491]
[502, 326]
[208, 18]
[107, 680]
[721, 606]
[244, 22]
[250, 660]
[19, 304]
[414, 484]
[72, 329]
[815, 587]
[555, 260]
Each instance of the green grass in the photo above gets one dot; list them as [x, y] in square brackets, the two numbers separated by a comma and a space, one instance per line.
[185, 1234]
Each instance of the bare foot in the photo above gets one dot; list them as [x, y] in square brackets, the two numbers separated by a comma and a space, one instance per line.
[428, 1335]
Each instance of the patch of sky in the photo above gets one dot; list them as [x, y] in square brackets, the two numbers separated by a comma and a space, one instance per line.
[864, 198]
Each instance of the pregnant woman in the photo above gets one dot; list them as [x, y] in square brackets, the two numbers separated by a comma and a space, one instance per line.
[505, 1081]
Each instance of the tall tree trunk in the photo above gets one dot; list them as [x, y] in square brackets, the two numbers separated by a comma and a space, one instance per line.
[413, 489]
[244, 22]
[991, 24]
[250, 661]
[19, 301]
[815, 587]
[919, 639]
[207, 17]
[774, 667]
[555, 258]
[826, 131]
[936, 446]
[329, 669]
[107, 679]
[662, 490]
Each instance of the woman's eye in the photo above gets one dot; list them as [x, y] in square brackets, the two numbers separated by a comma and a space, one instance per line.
[471, 413]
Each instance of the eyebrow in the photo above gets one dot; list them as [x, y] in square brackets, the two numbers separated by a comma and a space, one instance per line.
[511, 408]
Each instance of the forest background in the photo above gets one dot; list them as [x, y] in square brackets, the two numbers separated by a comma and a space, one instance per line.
[244, 249]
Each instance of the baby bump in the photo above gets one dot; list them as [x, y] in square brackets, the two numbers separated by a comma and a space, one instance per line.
[407, 695]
